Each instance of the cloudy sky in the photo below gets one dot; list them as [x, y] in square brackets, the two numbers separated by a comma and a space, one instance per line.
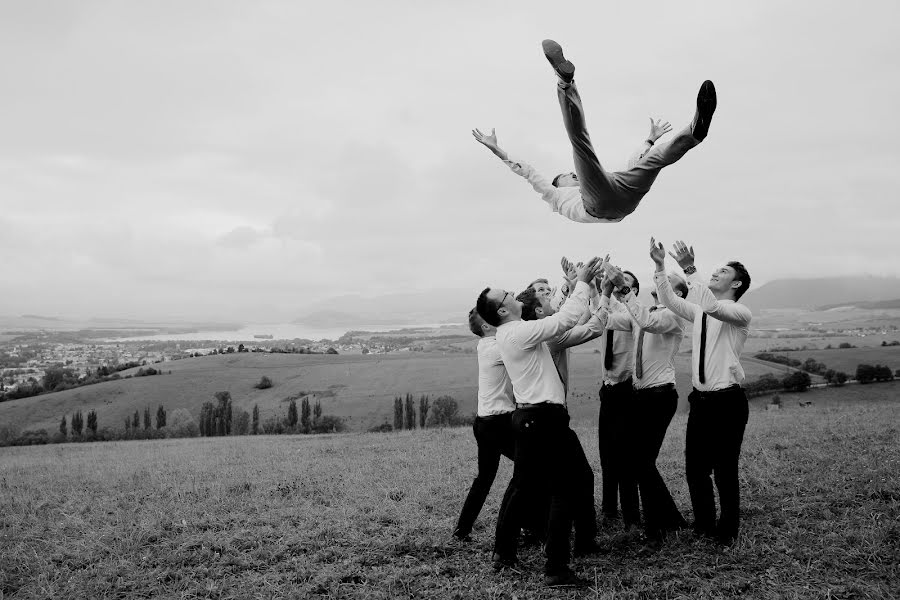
[247, 159]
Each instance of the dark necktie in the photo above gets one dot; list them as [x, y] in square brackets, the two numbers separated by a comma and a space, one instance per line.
[703, 348]
[608, 357]
[639, 357]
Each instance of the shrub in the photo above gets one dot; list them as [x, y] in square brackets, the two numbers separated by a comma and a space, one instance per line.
[32, 438]
[798, 381]
[265, 382]
[241, 424]
[444, 412]
[383, 428]
[180, 423]
[273, 425]
[846, 345]
[865, 373]
[329, 424]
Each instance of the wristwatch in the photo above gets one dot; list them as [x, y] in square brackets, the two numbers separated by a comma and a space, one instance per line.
[690, 270]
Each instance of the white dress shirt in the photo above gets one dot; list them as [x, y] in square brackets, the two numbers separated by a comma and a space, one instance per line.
[623, 346]
[495, 393]
[663, 332]
[566, 201]
[527, 357]
[726, 331]
[580, 334]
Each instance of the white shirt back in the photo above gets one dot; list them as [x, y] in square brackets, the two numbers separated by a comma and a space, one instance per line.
[495, 393]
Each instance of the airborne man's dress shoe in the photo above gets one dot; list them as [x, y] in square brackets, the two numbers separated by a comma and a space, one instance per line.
[565, 70]
[706, 106]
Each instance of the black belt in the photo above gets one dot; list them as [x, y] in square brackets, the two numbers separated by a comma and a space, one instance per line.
[495, 417]
[538, 405]
[664, 387]
[627, 382]
[714, 393]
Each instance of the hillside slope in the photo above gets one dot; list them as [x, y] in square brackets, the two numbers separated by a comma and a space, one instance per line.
[358, 387]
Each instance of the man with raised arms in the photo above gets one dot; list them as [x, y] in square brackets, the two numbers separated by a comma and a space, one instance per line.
[543, 460]
[657, 333]
[718, 405]
[592, 194]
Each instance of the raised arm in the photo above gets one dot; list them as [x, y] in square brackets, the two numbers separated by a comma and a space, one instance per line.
[657, 130]
[666, 294]
[660, 321]
[581, 334]
[546, 189]
[532, 333]
[611, 277]
[728, 312]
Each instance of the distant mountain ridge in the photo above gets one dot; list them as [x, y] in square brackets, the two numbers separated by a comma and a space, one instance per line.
[416, 308]
[452, 305]
[824, 292]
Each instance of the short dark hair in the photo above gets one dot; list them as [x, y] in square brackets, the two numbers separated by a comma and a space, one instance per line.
[475, 322]
[555, 182]
[740, 274]
[539, 280]
[637, 284]
[530, 304]
[486, 309]
[680, 285]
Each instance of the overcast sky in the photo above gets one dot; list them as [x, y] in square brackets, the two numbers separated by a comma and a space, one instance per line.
[246, 159]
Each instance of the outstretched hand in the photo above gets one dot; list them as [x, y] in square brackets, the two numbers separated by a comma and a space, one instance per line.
[684, 254]
[658, 129]
[616, 276]
[587, 271]
[658, 254]
[568, 270]
[488, 140]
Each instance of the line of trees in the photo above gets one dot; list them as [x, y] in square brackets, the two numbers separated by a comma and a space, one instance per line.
[869, 373]
[443, 412]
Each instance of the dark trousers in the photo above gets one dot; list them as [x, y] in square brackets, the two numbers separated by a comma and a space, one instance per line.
[715, 431]
[653, 411]
[494, 437]
[584, 513]
[544, 465]
[615, 413]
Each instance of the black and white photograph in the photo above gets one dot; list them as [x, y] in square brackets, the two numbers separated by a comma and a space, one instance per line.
[449, 300]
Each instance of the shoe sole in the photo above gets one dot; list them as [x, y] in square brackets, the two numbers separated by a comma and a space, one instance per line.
[706, 100]
[554, 54]
[706, 106]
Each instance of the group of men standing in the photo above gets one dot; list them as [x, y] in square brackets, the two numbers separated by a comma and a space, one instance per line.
[522, 409]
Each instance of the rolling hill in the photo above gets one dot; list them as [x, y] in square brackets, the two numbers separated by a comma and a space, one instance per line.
[360, 388]
[823, 291]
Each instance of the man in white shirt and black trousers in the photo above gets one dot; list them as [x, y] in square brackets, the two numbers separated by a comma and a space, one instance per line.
[616, 390]
[657, 333]
[718, 405]
[543, 461]
[493, 423]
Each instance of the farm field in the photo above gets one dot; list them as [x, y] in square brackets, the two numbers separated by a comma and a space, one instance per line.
[360, 388]
[369, 515]
[847, 359]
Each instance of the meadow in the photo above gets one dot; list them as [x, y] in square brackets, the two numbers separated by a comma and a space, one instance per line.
[360, 388]
[369, 516]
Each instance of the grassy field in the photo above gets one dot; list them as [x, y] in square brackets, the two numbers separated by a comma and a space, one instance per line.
[368, 516]
[360, 388]
[847, 359]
